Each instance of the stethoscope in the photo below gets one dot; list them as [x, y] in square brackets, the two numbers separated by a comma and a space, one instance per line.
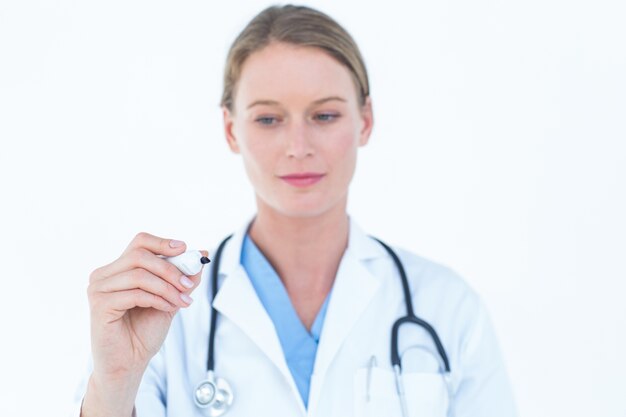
[410, 318]
[216, 393]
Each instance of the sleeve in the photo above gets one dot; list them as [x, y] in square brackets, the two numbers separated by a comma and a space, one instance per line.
[483, 389]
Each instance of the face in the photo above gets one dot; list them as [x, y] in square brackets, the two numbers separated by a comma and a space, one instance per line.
[297, 123]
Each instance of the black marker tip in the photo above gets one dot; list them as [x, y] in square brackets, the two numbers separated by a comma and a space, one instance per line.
[204, 260]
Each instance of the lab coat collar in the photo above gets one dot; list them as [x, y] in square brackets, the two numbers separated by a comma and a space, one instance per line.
[231, 255]
[362, 246]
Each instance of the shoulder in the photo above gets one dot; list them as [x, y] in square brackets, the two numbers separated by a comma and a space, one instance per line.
[432, 284]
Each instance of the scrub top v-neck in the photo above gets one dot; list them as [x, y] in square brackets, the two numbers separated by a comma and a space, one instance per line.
[299, 345]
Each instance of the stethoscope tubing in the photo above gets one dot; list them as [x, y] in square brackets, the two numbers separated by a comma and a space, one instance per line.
[214, 278]
[410, 316]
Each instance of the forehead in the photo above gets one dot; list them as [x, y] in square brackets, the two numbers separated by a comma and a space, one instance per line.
[293, 73]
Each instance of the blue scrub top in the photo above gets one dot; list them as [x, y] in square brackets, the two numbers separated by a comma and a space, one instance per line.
[299, 345]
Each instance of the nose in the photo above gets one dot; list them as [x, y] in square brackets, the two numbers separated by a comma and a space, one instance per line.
[299, 143]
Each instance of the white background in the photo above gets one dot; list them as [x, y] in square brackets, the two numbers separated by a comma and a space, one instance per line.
[498, 150]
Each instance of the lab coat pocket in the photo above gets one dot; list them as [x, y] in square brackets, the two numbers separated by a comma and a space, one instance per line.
[375, 394]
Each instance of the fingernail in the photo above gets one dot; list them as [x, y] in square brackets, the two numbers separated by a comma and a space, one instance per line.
[186, 281]
[187, 299]
[176, 243]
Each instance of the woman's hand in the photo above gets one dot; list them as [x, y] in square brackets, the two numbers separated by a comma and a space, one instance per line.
[132, 302]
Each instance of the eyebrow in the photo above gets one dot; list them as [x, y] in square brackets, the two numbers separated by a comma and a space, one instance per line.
[316, 102]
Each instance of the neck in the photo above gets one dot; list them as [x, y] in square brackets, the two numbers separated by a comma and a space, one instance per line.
[304, 251]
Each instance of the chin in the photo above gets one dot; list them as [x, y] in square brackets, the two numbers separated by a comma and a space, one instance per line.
[306, 207]
[300, 211]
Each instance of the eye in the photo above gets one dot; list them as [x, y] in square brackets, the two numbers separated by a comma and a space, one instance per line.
[326, 117]
[266, 120]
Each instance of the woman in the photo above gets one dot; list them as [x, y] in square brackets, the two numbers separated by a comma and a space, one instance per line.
[304, 301]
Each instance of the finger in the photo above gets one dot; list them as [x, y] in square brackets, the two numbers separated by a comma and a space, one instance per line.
[125, 300]
[155, 244]
[142, 258]
[139, 278]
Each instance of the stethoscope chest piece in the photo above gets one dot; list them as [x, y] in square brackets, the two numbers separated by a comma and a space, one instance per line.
[214, 394]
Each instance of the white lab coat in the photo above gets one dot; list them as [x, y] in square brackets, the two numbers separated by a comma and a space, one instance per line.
[365, 301]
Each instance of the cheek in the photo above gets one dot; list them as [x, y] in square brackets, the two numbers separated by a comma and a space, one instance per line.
[342, 149]
[258, 154]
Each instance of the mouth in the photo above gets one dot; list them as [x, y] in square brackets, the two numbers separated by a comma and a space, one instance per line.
[303, 179]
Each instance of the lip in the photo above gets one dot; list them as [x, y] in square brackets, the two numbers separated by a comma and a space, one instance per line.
[302, 179]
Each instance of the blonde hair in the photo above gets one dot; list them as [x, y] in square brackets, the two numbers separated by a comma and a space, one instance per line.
[297, 25]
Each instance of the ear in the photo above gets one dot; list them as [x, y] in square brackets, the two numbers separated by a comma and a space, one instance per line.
[229, 130]
[367, 117]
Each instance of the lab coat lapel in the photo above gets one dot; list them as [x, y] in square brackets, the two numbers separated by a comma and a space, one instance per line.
[354, 288]
[237, 301]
